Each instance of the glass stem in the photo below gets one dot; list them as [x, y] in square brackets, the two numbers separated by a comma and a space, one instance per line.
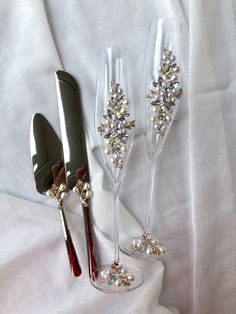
[116, 189]
[150, 195]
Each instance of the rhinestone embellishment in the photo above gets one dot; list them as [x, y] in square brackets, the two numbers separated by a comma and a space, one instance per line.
[165, 92]
[116, 126]
[116, 275]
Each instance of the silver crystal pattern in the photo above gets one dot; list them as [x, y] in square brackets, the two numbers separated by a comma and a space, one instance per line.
[165, 92]
[115, 127]
[117, 276]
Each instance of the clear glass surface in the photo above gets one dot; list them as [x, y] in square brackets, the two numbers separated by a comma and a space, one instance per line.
[164, 33]
[159, 99]
[113, 67]
[114, 129]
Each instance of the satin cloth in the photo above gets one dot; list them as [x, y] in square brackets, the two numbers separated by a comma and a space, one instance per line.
[194, 192]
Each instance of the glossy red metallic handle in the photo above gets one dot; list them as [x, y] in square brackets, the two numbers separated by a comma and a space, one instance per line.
[82, 188]
[92, 258]
[73, 259]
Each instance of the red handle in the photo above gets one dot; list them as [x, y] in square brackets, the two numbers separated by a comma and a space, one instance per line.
[73, 259]
[92, 258]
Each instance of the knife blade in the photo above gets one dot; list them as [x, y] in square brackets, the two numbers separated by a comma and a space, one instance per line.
[49, 173]
[75, 154]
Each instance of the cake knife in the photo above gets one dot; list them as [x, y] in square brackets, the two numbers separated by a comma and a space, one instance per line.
[75, 155]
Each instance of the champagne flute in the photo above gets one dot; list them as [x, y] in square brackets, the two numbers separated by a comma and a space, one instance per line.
[160, 94]
[115, 134]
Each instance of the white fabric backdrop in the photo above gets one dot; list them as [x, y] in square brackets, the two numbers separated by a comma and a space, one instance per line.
[194, 210]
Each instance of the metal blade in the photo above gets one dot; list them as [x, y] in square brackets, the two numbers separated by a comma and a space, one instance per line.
[46, 151]
[49, 173]
[72, 129]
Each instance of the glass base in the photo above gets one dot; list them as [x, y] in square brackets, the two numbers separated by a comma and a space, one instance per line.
[145, 247]
[117, 278]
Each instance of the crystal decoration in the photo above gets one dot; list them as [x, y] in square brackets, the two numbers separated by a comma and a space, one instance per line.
[165, 92]
[116, 275]
[116, 125]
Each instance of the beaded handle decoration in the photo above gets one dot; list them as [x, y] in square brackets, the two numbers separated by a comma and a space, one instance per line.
[84, 192]
[58, 192]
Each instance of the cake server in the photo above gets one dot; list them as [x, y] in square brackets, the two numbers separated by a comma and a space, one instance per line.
[75, 155]
[49, 173]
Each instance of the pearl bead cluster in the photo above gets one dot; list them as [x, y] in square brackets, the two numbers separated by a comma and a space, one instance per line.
[83, 190]
[58, 192]
[165, 93]
[117, 276]
[116, 125]
[150, 247]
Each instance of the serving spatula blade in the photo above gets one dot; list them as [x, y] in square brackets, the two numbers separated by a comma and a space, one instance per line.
[49, 173]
